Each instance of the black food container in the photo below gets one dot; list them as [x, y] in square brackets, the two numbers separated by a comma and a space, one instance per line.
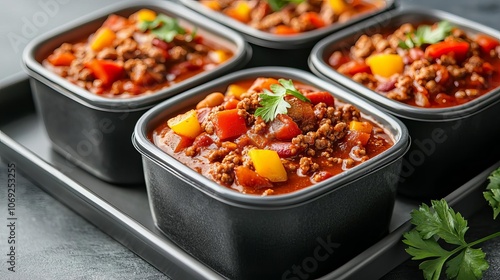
[275, 50]
[93, 131]
[245, 236]
[449, 145]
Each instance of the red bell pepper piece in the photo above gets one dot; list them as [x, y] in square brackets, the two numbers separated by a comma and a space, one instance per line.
[284, 128]
[352, 68]
[61, 59]
[320, 96]
[105, 70]
[486, 43]
[314, 19]
[459, 49]
[177, 142]
[250, 179]
[229, 124]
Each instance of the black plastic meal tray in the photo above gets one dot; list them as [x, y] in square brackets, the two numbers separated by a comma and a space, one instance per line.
[124, 214]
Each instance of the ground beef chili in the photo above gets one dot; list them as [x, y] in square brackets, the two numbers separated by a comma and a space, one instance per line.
[291, 17]
[452, 70]
[136, 55]
[225, 140]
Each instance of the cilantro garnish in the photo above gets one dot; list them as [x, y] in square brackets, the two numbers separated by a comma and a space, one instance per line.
[442, 224]
[426, 34]
[277, 5]
[163, 27]
[492, 195]
[274, 103]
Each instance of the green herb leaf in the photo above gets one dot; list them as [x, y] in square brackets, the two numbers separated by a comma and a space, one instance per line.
[492, 195]
[277, 5]
[163, 27]
[426, 34]
[274, 103]
[442, 223]
[469, 264]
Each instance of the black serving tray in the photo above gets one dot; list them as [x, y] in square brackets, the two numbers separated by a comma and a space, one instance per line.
[124, 213]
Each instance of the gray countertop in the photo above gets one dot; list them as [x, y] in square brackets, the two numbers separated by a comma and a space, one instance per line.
[55, 243]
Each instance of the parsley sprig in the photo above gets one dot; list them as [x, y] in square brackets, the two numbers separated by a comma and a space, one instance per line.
[164, 27]
[274, 103]
[277, 5]
[492, 193]
[441, 224]
[427, 34]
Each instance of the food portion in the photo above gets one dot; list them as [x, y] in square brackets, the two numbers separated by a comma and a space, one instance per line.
[287, 17]
[431, 66]
[136, 55]
[268, 136]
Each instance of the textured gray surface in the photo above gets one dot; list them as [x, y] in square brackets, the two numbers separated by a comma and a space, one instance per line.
[52, 242]
[55, 243]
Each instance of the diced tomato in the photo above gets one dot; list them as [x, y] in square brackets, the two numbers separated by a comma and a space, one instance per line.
[115, 22]
[486, 43]
[231, 104]
[284, 149]
[284, 30]
[162, 45]
[488, 68]
[337, 59]
[177, 142]
[321, 96]
[61, 59]
[352, 68]
[248, 178]
[284, 128]
[458, 49]
[314, 19]
[262, 83]
[229, 124]
[203, 140]
[356, 136]
[105, 70]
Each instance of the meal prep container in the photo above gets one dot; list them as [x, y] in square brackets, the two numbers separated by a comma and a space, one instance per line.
[245, 236]
[93, 131]
[446, 143]
[274, 50]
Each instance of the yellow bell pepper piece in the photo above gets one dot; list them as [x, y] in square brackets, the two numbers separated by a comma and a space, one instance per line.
[186, 124]
[365, 127]
[103, 38]
[267, 164]
[338, 6]
[212, 4]
[219, 56]
[146, 15]
[235, 90]
[385, 65]
[240, 11]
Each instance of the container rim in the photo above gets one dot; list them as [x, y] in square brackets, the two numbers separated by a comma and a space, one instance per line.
[228, 196]
[319, 66]
[270, 40]
[36, 70]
